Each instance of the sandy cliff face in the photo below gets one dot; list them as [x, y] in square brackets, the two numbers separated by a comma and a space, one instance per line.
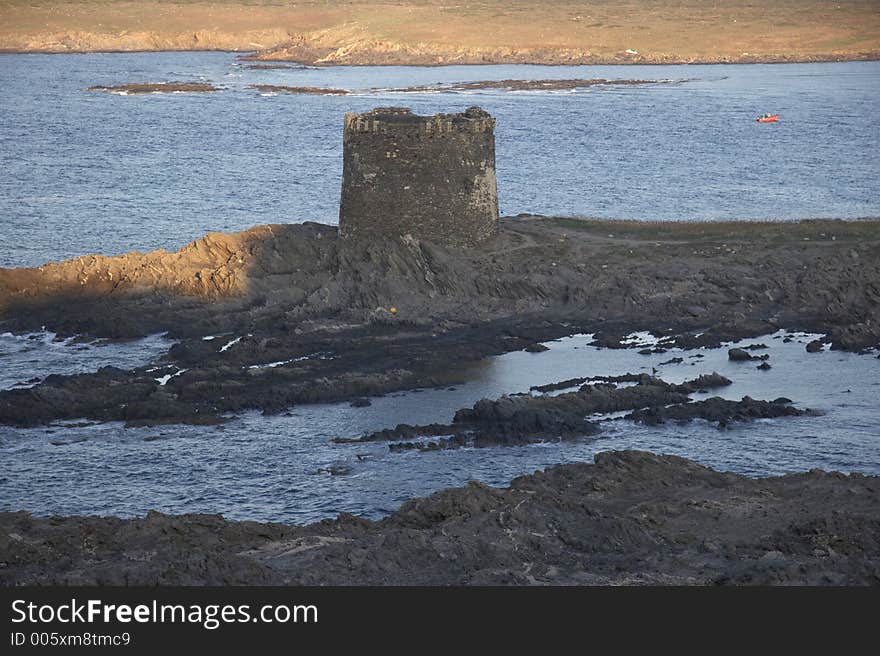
[209, 267]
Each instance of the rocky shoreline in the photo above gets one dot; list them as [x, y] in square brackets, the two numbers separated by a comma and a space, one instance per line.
[283, 315]
[632, 518]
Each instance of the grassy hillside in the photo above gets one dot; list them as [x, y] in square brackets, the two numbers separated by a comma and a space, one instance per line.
[455, 31]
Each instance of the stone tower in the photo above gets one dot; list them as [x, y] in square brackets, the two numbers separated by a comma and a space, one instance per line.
[432, 177]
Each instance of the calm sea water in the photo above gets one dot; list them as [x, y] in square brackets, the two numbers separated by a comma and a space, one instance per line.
[84, 172]
[276, 468]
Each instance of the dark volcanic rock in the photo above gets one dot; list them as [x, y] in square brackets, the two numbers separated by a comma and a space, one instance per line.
[719, 410]
[764, 366]
[563, 384]
[631, 518]
[741, 355]
[738, 355]
[525, 419]
[815, 346]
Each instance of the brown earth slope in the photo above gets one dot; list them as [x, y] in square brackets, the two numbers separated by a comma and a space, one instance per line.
[436, 32]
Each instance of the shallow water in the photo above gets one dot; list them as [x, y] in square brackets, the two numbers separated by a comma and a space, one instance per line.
[84, 171]
[27, 359]
[269, 468]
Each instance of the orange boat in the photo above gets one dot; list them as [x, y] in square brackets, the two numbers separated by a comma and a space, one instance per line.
[768, 118]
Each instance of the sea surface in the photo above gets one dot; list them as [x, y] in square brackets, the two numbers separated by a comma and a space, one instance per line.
[287, 468]
[93, 172]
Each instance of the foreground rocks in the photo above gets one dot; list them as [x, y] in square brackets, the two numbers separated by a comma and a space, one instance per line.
[286, 314]
[631, 518]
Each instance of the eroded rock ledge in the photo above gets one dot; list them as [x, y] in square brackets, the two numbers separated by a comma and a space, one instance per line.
[631, 518]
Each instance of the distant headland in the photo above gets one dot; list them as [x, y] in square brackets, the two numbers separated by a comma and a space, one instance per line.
[373, 32]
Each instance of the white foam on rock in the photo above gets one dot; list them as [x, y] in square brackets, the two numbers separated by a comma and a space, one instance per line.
[230, 344]
[641, 338]
[163, 380]
[281, 363]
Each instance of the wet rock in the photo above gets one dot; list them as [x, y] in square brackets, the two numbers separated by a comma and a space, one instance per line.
[815, 346]
[764, 366]
[703, 382]
[718, 410]
[738, 355]
[741, 355]
[361, 403]
[536, 348]
[608, 340]
[672, 361]
[563, 384]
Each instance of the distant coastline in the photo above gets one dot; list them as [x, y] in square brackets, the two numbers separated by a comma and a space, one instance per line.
[431, 33]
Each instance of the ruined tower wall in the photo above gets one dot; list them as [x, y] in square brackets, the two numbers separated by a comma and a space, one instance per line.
[432, 177]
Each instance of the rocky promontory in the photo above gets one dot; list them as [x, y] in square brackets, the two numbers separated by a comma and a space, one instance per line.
[287, 314]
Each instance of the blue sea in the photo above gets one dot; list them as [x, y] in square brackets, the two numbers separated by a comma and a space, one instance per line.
[93, 172]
